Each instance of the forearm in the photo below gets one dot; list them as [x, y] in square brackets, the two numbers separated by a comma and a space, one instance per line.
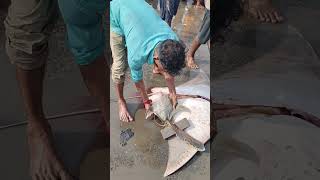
[142, 90]
[171, 86]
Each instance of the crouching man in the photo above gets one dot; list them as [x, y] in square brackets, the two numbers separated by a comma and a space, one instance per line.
[138, 36]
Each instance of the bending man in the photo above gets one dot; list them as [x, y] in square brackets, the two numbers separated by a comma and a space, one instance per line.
[139, 36]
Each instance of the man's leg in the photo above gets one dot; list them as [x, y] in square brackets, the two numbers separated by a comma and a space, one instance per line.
[44, 161]
[84, 22]
[201, 38]
[191, 53]
[119, 67]
[95, 76]
[263, 10]
[168, 19]
[29, 58]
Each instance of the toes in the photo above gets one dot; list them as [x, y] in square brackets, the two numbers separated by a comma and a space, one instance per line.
[260, 16]
[255, 14]
[47, 175]
[129, 117]
[50, 176]
[266, 17]
[66, 176]
[273, 18]
[278, 17]
[35, 177]
[194, 66]
[123, 118]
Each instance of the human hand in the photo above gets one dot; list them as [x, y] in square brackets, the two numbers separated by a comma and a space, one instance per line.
[148, 108]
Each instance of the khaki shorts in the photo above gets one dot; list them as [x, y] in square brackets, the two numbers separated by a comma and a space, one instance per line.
[30, 22]
[28, 25]
[119, 55]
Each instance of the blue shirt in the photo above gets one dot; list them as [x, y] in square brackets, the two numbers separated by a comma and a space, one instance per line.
[142, 28]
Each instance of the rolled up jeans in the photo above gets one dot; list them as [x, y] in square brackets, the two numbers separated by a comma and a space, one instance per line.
[119, 56]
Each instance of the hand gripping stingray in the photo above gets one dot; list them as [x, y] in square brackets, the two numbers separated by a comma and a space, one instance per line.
[166, 115]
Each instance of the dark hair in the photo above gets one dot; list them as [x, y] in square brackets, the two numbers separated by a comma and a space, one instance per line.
[224, 12]
[172, 56]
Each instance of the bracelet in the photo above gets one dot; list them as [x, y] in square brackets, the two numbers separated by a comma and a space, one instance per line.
[149, 101]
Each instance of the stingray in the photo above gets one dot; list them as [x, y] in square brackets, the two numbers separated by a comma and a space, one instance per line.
[195, 105]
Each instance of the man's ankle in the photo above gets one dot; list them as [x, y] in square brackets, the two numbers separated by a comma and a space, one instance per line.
[40, 129]
[190, 56]
[122, 100]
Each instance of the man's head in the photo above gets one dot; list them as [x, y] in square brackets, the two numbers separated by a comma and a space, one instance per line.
[169, 58]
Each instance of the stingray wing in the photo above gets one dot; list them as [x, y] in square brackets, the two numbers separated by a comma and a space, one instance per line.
[182, 153]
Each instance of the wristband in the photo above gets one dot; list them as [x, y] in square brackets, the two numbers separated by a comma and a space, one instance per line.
[149, 101]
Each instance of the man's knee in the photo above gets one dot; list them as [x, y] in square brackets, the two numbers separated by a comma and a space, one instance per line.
[118, 74]
[119, 55]
[25, 60]
[118, 79]
[28, 26]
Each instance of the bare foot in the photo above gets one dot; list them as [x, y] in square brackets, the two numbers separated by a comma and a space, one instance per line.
[264, 11]
[44, 163]
[123, 112]
[191, 63]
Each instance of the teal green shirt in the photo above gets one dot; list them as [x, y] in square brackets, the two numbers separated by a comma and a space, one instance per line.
[142, 28]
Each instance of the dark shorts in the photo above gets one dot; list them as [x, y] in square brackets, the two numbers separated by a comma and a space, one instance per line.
[168, 9]
[204, 33]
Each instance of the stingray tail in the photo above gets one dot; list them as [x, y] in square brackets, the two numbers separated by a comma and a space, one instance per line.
[186, 137]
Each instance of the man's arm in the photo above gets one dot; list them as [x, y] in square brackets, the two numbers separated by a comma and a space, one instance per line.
[142, 90]
[172, 89]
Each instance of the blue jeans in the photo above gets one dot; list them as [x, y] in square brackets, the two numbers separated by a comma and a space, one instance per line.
[168, 9]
